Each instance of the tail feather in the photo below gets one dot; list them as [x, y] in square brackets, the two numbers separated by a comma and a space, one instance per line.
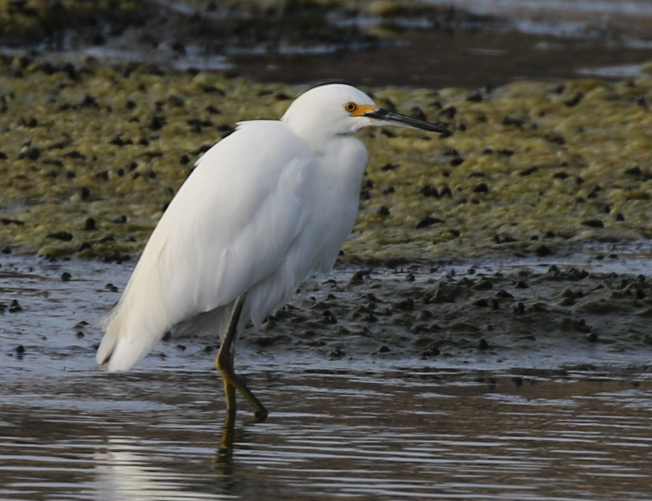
[130, 334]
[106, 349]
[108, 342]
[138, 321]
[120, 351]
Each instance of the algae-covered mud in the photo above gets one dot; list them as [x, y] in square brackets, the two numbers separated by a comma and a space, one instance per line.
[91, 155]
[100, 127]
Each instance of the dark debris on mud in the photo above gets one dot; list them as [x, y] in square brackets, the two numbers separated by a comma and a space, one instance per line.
[536, 316]
[421, 311]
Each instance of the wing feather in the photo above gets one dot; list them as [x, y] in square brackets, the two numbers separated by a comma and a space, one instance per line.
[228, 228]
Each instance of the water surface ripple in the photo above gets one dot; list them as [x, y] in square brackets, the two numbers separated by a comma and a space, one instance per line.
[405, 434]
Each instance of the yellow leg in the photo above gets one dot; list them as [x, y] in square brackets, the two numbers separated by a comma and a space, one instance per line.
[224, 363]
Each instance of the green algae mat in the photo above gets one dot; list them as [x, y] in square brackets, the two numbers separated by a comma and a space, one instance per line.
[90, 156]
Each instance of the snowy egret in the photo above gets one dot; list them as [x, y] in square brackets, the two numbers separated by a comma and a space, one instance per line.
[264, 208]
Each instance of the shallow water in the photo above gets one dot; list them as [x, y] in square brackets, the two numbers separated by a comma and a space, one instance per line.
[395, 434]
[472, 60]
[548, 40]
[555, 10]
[369, 428]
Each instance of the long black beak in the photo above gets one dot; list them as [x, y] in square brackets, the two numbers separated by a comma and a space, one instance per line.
[386, 117]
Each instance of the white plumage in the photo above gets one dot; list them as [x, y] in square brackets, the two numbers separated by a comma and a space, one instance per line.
[263, 209]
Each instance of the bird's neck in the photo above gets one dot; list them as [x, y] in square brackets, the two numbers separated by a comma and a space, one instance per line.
[322, 144]
[343, 159]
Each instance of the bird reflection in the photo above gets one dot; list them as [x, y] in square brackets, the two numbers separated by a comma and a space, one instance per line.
[230, 436]
[225, 452]
[144, 470]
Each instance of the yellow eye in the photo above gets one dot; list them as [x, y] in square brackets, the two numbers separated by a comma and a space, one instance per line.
[350, 107]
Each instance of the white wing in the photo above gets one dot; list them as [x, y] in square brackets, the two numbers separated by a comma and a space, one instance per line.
[228, 228]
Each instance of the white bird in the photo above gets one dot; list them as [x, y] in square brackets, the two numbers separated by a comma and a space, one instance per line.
[264, 209]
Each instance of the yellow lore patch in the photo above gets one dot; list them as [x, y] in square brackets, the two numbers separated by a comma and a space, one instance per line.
[358, 110]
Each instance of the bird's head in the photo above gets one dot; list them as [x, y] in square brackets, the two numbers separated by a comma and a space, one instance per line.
[339, 109]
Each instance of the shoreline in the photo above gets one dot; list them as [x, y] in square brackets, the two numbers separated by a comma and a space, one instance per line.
[501, 316]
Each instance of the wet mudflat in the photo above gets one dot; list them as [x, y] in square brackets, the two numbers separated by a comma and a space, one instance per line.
[384, 415]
